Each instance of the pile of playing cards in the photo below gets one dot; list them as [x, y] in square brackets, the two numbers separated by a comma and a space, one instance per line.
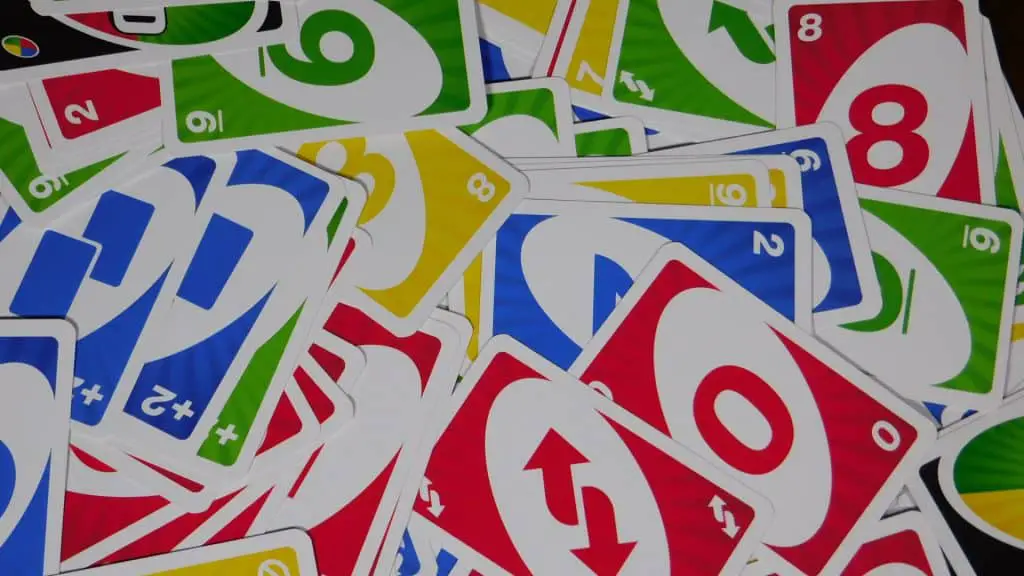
[509, 287]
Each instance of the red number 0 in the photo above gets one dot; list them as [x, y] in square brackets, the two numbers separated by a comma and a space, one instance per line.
[912, 145]
[764, 399]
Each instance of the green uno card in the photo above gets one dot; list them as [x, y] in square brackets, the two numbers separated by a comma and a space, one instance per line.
[527, 119]
[357, 67]
[611, 137]
[948, 277]
[705, 67]
[37, 191]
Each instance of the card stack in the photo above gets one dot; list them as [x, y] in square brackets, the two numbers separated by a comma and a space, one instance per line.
[492, 287]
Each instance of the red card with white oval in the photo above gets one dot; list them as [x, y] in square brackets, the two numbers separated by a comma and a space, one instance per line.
[914, 118]
[539, 475]
[696, 356]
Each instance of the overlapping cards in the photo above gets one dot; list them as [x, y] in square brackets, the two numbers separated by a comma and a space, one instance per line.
[378, 287]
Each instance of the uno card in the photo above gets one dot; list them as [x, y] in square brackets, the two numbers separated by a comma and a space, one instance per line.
[503, 62]
[522, 23]
[715, 49]
[694, 355]
[38, 46]
[948, 275]
[346, 494]
[31, 179]
[623, 136]
[285, 553]
[395, 66]
[527, 118]
[81, 6]
[913, 119]
[105, 267]
[534, 473]
[94, 115]
[844, 275]
[36, 361]
[269, 236]
[435, 200]
[901, 544]
[557, 269]
[968, 490]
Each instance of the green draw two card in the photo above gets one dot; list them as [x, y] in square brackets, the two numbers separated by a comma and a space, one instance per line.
[357, 67]
[948, 277]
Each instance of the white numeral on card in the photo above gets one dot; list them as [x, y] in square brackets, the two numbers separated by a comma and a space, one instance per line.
[75, 113]
[152, 405]
[885, 435]
[730, 195]
[772, 246]
[199, 121]
[810, 27]
[808, 160]
[44, 186]
[585, 71]
[981, 239]
[480, 187]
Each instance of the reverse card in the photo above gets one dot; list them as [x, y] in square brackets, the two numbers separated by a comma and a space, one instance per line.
[395, 66]
[536, 473]
[38, 46]
[913, 119]
[557, 269]
[948, 275]
[36, 361]
[694, 355]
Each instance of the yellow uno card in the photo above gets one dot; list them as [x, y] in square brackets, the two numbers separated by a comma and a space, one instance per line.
[435, 198]
[284, 553]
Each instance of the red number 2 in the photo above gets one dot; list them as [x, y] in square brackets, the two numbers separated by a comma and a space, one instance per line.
[914, 147]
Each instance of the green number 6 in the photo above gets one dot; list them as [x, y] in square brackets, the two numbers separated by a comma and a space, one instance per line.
[319, 70]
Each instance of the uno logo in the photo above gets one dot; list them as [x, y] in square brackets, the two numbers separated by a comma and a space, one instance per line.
[748, 409]
[20, 46]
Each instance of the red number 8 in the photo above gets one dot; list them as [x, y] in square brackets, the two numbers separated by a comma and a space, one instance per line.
[913, 145]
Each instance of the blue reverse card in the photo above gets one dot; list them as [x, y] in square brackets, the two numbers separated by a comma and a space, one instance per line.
[556, 270]
[36, 357]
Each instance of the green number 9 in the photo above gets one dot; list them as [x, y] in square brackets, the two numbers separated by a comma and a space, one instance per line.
[319, 70]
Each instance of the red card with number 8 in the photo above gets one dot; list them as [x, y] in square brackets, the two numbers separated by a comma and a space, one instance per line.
[905, 81]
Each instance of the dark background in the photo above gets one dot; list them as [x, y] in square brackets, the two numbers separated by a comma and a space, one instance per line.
[1007, 18]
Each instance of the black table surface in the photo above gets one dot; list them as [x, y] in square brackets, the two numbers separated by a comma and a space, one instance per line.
[1007, 18]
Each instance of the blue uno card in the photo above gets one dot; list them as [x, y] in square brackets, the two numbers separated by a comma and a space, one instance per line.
[104, 266]
[36, 360]
[200, 390]
[556, 269]
[844, 274]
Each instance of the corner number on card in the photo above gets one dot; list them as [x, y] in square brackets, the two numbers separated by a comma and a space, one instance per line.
[810, 27]
[75, 113]
[772, 245]
[480, 187]
[200, 121]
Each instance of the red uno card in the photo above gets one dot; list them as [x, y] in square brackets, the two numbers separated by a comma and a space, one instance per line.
[900, 544]
[346, 493]
[700, 359]
[536, 474]
[905, 81]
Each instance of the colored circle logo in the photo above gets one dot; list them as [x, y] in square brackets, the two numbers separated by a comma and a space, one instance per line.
[20, 46]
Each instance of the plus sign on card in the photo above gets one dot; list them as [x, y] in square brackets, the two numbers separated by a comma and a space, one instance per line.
[700, 359]
[904, 79]
[536, 474]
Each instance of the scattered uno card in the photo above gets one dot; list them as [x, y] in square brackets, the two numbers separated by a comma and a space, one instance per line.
[534, 473]
[396, 67]
[557, 269]
[36, 360]
[269, 235]
[839, 444]
[968, 489]
[285, 553]
[844, 275]
[913, 119]
[435, 200]
[948, 276]
[37, 46]
[622, 136]
[527, 118]
[899, 543]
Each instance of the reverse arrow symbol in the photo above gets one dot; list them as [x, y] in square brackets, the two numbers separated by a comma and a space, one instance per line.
[432, 498]
[724, 517]
[605, 555]
[555, 457]
[634, 85]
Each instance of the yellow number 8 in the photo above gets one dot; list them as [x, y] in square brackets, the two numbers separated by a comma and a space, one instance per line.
[480, 187]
